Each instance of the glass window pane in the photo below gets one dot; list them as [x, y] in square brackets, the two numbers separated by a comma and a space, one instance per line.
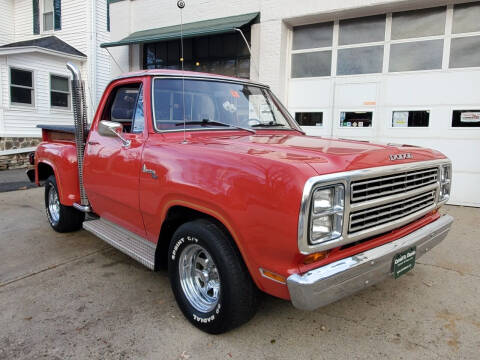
[48, 21]
[419, 55]
[312, 36]
[59, 83]
[410, 118]
[465, 52]
[20, 95]
[139, 119]
[362, 30]
[173, 48]
[466, 18]
[311, 64]
[59, 99]
[418, 23]
[309, 118]
[21, 77]
[47, 6]
[124, 104]
[356, 118]
[243, 68]
[362, 60]
[466, 118]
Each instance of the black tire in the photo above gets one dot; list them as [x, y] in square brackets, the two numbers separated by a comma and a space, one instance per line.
[238, 295]
[67, 218]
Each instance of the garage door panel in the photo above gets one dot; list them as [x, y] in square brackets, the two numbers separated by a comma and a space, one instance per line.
[309, 93]
[464, 192]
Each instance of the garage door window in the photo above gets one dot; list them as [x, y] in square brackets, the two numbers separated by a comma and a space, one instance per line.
[356, 118]
[418, 55]
[404, 119]
[309, 118]
[465, 18]
[312, 36]
[466, 118]
[418, 23]
[312, 64]
[465, 48]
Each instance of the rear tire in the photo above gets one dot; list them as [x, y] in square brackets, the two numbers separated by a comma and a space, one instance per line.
[61, 218]
[211, 284]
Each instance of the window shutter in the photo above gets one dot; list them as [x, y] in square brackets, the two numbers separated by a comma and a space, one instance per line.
[36, 17]
[57, 8]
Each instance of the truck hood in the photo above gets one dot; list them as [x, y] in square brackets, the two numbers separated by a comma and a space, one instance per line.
[324, 155]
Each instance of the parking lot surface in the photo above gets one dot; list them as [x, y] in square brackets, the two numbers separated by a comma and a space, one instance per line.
[71, 296]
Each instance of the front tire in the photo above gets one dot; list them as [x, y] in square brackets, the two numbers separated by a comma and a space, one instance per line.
[210, 282]
[61, 218]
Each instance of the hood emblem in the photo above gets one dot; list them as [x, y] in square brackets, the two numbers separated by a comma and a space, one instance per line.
[404, 156]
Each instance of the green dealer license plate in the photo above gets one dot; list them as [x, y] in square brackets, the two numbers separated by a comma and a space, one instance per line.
[404, 262]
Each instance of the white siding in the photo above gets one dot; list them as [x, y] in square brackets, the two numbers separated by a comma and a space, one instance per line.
[6, 21]
[22, 120]
[102, 58]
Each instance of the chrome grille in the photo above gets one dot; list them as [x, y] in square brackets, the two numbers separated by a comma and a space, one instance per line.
[383, 214]
[373, 188]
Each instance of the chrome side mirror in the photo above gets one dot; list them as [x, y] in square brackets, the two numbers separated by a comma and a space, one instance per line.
[112, 129]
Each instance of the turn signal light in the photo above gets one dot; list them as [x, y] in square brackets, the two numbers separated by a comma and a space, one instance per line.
[309, 259]
[273, 276]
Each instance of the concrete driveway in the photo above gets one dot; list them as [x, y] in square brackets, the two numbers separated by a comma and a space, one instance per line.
[71, 296]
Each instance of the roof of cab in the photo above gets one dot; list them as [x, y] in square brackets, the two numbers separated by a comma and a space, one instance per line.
[186, 74]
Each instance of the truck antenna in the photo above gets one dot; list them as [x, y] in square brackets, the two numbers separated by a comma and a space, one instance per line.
[181, 5]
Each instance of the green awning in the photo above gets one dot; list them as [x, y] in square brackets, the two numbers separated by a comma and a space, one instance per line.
[199, 28]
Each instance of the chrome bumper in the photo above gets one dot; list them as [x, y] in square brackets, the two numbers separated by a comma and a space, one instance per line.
[341, 278]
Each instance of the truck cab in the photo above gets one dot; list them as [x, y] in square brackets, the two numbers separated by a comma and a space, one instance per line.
[210, 178]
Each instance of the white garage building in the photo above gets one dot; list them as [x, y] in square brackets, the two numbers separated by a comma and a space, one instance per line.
[379, 70]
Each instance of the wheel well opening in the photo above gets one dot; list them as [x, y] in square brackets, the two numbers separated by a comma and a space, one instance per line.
[44, 171]
[177, 216]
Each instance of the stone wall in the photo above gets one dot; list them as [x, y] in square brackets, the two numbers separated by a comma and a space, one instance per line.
[20, 160]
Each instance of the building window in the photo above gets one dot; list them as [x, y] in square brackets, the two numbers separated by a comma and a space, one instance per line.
[312, 50]
[47, 15]
[309, 118]
[224, 54]
[356, 118]
[312, 36]
[418, 23]
[21, 87]
[362, 30]
[59, 92]
[417, 118]
[417, 55]
[311, 64]
[360, 60]
[465, 49]
[466, 118]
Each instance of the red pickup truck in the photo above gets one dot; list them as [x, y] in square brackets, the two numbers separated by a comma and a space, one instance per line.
[211, 178]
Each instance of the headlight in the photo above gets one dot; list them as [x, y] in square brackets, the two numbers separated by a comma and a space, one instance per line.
[326, 213]
[445, 182]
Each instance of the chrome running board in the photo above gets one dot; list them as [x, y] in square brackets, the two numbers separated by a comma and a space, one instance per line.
[127, 242]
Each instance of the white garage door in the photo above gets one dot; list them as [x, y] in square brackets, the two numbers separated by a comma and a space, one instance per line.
[418, 83]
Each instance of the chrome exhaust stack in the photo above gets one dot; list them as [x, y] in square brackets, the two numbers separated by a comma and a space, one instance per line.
[79, 106]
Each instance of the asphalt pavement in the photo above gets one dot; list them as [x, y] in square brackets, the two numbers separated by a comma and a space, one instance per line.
[71, 296]
[15, 179]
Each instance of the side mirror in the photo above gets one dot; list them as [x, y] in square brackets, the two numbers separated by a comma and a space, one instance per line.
[112, 129]
[109, 128]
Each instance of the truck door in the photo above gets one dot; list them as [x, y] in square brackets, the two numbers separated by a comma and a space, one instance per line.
[112, 169]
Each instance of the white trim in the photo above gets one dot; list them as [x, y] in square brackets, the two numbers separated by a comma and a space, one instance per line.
[30, 49]
[18, 151]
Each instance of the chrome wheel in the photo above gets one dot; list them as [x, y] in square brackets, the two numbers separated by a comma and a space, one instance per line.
[53, 205]
[199, 278]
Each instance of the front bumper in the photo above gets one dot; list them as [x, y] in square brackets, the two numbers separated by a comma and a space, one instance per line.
[341, 278]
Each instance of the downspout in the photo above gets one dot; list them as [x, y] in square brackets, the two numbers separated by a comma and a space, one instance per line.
[81, 128]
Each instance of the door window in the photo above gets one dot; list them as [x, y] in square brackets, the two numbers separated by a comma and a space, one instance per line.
[125, 106]
[356, 118]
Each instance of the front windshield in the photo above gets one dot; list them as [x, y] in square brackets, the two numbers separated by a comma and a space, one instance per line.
[214, 104]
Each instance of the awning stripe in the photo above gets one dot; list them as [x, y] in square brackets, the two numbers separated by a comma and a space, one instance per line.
[199, 28]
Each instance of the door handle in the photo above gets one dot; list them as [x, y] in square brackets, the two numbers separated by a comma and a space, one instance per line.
[149, 171]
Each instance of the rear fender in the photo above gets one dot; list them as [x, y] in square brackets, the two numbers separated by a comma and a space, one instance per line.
[62, 159]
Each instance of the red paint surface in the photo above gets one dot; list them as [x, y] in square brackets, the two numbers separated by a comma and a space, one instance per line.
[252, 183]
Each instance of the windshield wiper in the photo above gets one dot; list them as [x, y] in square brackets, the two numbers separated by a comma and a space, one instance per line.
[207, 122]
[269, 124]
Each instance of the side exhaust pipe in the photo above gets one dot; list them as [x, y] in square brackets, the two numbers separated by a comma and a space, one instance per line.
[79, 106]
